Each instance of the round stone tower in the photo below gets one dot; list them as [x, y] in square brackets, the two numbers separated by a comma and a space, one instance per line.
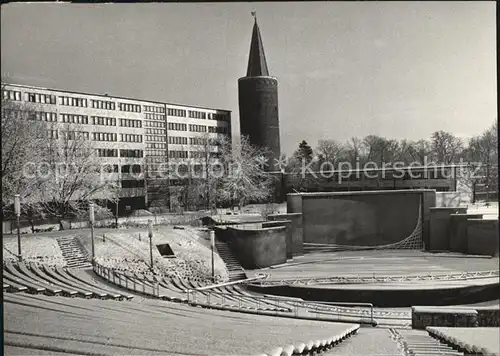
[258, 103]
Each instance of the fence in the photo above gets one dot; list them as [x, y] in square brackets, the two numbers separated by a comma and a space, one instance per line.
[123, 281]
[283, 306]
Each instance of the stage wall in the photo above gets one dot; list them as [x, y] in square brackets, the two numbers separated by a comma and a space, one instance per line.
[371, 218]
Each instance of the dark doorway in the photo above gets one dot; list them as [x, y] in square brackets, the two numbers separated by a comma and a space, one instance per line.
[165, 250]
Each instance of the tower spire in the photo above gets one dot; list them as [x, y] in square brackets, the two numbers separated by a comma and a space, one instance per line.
[257, 65]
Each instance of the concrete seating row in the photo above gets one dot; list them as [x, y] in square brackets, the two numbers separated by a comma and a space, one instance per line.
[156, 328]
[42, 279]
[313, 346]
[477, 341]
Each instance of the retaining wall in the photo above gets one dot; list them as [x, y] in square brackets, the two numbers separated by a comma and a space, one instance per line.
[482, 237]
[440, 226]
[297, 231]
[458, 231]
[254, 246]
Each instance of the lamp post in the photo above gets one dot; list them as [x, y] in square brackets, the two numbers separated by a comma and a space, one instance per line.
[150, 233]
[212, 245]
[17, 209]
[91, 221]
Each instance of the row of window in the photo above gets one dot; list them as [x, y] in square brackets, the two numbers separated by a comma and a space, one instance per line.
[41, 98]
[109, 105]
[176, 112]
[201, 141]
[214, 129]
[129, 107]
[156, 153]
[155, 138]
[75, 119]
[154, 124]
[131, 168]
[155, 131]
[53, 134]
[178, 154]
[130, 138]
[197, 128]
[11, 95]
[220, 117]
[101, 104]
[132, 183]
[201, 154]
[177, 127]
[43, 116]
[104, 136]
[132, 153]
[156, 145]
[70, 101]
[130, 123]
[197, 114]
[158, 109]
[102, 152]
[72, 135]
[105, 121]
[154, 116]
[177, 140]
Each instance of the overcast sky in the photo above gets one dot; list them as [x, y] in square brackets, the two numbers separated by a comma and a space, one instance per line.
[400, 70]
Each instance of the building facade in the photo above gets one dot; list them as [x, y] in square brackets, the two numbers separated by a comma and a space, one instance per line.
[258, 103]
[140, 139]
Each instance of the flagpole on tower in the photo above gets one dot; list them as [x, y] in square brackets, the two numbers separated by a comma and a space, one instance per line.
[254, 14]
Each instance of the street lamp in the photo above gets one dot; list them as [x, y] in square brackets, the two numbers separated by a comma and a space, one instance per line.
[150, 233]
[212, 245]
[17, 209]
[91, 221]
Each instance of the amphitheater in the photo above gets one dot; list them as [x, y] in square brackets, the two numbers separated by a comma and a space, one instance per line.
[342, 297]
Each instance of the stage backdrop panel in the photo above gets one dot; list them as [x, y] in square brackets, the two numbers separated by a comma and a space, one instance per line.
[372, 218]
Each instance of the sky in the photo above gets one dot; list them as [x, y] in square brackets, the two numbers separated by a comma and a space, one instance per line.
[394, 69]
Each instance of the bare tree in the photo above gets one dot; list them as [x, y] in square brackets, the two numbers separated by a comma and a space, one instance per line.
[420, 151]
[330, 151]
[206, 152]
[245, 178]
[73, 175]
[483, 151]
[355, 151]
[446, 148]
[22, 137]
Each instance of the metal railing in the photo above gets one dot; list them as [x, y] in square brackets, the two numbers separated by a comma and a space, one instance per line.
[283, 306]
[384, 279]
[123, 281]
[280, 306]
[224, 284]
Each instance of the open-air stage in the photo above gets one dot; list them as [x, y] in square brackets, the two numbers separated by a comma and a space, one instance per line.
[385, 278]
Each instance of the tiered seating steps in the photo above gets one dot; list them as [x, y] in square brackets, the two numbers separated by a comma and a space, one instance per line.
[236, 272]
[73, 253]
[57, 281]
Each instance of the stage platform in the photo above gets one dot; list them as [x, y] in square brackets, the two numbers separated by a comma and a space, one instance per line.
[385, 278]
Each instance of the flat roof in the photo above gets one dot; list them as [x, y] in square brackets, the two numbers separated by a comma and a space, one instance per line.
[112, 97]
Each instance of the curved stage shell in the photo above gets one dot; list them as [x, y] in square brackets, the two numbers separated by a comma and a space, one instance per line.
[390, 278]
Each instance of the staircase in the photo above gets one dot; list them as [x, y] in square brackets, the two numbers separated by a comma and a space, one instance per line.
[74, 254]
[419, 342]
[236, 272]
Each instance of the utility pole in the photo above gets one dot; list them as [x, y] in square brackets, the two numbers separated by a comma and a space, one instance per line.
[212, 245]
[91, 221]
[150, 233]
[17, 209]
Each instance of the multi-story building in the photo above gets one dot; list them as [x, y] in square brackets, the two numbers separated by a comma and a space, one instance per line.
[140, 139]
